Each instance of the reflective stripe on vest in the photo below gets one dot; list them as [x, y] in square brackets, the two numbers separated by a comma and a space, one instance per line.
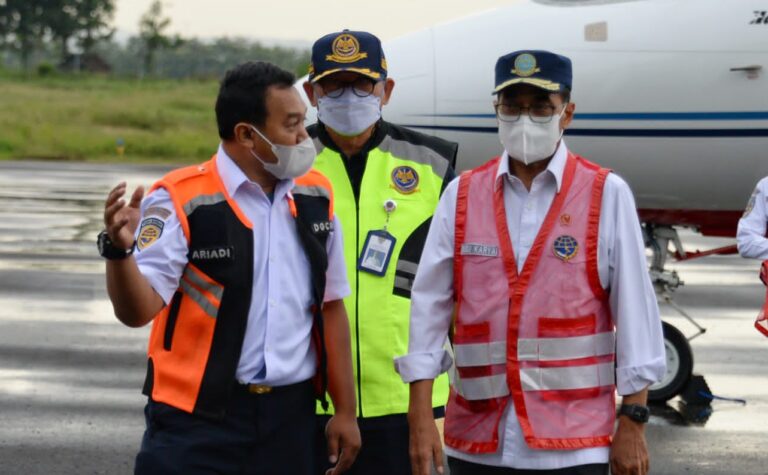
[203, 200]
[537, 349]
[567, 377]
[485, 387]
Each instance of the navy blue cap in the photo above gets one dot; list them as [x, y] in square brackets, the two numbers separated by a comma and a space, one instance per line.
[356, 51]
[548, 71]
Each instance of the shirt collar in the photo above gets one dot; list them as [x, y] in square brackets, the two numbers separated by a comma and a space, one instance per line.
[233, 177]
[555, 168]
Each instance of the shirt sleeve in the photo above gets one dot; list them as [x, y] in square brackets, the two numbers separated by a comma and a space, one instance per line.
[640, 353]
[750, 235]
[336, 284]
[432, 297]
[161, 256]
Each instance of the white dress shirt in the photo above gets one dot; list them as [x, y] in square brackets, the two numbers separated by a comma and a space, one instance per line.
[276, 349]
[623, 272]
[750, 235]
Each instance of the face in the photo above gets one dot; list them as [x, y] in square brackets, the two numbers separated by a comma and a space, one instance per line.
[538, 104]
[336, 84]
[284, 124]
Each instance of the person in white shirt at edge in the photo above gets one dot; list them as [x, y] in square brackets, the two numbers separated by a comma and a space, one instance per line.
[551, 258]
[228, 276]
[750, 235]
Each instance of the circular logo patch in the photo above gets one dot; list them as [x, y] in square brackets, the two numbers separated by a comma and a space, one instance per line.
[566, 247]
[525, 65]
[346, 49]
[405, 179]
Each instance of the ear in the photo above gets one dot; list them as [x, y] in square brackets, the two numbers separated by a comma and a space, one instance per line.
[570, 110]
[389, 85]
[309, 90]
[244, 135]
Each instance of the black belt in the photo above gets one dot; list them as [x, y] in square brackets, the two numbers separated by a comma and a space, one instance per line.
[262, 389]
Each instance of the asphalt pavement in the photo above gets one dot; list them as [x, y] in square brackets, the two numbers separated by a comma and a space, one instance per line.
[71, 374]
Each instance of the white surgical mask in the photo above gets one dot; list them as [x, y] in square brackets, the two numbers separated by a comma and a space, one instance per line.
[293, 161]
[527, 141]
[349, 114]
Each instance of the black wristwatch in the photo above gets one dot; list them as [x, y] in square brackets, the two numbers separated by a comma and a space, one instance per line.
[107, 250]
[635, 412]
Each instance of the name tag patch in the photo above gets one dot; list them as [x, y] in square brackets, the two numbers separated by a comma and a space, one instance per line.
[322, 227]
[470, 249]
[214, 253]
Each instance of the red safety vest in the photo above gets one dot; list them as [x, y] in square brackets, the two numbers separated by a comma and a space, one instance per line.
[196, 340]
[544, 336]
[762, 319]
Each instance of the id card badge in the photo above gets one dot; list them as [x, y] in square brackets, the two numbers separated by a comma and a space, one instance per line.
[377, 250]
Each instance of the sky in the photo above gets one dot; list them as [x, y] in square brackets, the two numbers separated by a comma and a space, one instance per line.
[301, 20]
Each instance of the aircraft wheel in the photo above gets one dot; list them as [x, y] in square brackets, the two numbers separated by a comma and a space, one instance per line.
[679, 366]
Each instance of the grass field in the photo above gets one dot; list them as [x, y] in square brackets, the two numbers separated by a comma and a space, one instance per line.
[84, 118]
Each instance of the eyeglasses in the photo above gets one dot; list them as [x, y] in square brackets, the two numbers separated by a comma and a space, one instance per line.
[541, 113]
[334, 88]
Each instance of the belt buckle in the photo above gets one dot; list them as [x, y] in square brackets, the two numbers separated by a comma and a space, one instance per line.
[259, 389]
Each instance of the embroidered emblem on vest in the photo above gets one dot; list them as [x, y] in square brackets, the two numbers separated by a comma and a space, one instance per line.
[405, 179]
[565, 247]
[565, 219]
[150, 231]
[212, 253]
[469, 249]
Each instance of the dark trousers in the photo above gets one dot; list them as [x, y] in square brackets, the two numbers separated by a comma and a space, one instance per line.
[384, 450]
[461, 467]
[262, 434]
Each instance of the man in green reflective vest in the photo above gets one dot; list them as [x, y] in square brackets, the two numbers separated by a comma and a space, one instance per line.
[387, 181]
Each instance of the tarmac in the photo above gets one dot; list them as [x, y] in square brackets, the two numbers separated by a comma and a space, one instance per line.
[71, 374]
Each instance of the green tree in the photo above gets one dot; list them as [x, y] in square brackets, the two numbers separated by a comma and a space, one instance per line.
[60, 17]
[153, 26]
[22, 22]
[94, 22]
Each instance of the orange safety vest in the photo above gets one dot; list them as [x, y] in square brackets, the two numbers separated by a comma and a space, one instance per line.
[544, 336]
[195, 343]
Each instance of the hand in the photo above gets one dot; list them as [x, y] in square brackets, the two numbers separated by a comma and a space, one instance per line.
[120, 220]
[629, 454]
[424, 444]
[343, 435]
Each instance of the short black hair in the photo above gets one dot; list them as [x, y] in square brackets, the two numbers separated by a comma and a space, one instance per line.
[243, 94]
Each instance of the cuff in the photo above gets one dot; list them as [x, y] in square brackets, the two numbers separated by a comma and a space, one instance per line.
[417, 366]
[633, 379]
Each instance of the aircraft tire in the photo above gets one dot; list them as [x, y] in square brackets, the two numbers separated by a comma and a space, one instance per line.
[679, 366]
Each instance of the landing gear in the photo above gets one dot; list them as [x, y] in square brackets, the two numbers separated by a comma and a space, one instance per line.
[679, 366]
[678, 350]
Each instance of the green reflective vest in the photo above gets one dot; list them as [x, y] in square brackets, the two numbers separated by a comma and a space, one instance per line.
[408, 168]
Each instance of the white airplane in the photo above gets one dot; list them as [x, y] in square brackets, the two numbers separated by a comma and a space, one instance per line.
[671, 94]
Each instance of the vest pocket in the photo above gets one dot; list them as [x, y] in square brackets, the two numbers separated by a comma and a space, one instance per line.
[170, 324]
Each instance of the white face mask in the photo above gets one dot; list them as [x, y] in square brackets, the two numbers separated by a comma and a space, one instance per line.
[293, 161]
[527, 141]
[348, 114]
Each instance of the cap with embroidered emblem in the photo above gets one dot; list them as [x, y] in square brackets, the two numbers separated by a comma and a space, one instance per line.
[355, 51]
[543, 69]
